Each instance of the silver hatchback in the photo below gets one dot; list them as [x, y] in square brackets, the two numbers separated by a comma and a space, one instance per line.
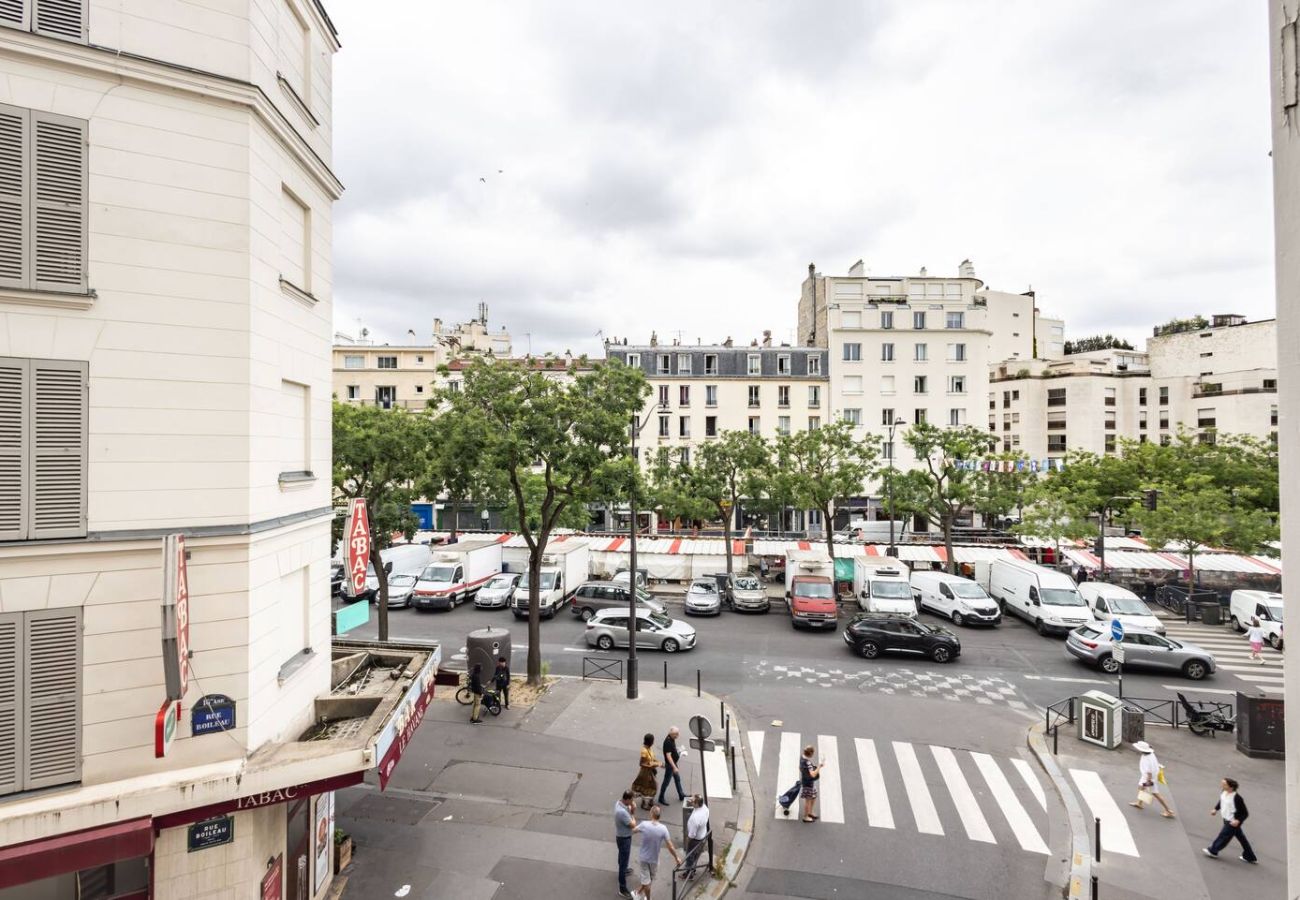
[1142, 648]
[703, 598]
[608, 629]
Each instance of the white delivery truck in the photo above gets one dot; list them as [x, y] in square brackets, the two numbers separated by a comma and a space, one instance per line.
[1245, 605]
[456, 573]
[1044, 597]
[565, 566]
[881, 585]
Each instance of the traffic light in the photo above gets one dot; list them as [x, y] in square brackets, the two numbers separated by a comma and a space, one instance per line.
[1150, 499]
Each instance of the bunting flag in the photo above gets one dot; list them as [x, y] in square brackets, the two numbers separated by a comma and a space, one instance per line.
[1008, 466]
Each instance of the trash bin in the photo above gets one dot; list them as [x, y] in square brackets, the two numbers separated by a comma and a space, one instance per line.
[1134, 725]
[1099, 719]
[1260, 726]
[1211, 613]
[484, 646]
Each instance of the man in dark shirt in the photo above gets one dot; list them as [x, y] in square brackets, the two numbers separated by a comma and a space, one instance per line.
[476, 691]
[672, 767]
[501, 678]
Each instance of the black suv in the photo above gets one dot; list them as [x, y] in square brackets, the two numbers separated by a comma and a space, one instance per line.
[870, 634]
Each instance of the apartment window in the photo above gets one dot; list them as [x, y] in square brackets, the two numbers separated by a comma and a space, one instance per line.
[1205, 418]
[634, 360]
[814, 364]
[663, 426]
[1056, 443]
[754, 425]
[1006, 425]
[683, 364]
[1142, 419]
[354, 392]
[1109, 399]
[710, 395]
[1110, 421]
[957, 416]
[419, 360]
[956, 384]
[664, 364]
[755, 364]
[886, 352]
[853, 416]
[1164, 440]
[40, 690]
[918, 320]
[1056, 421]
[295, 240]
[887, 319]
[814, 396]
[1164, 396]
[957, 352]
[1056, 396]
[1142, 396]
[292, 601]
[354, 362]
[920, 385]
[1015, 395]
[684, 395]
[1109, 443]
[956, 320]
[1015, 440]
[43, 175]
[852, 352]
[710, 426]
[295, 53]
[1270, 384]
[782, 424]
[919, 352]
[1207, 437]
[453, 386]
[918, 416]
[887, 450]
[1272, 416]
[887, 416]
[385, 395]
[1006, 400]
[684, 454]
[886, 384]
[753, 396]
[853, 384]
[43, 449]
[1164, 419]
[783, 364]
[294, 421]
[783, 395]
[386, 362]
[1207, 353]
[684, 426]
[663, 396]
[850, 318]
[710, 364]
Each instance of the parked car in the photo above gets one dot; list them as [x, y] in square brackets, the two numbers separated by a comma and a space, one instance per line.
[960, 599]
[593, 596]
[401, 559]
[1110, 601]
[608, 629]
[642, 576]
[870, 634]
[1145, 649]
[399, 590]
[497, 592]
[748, 593]
[1263, 605]
[336, 578]
[1046, 598]
[703, 598]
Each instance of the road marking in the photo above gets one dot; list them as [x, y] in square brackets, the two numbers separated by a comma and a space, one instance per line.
[1260, 677]
[873, 784]
[1067, 680]
[829, 796]
[755, 739]
[580, 650]
[1251, 667]
[1035, 787]
[918, 795]
[787, 768]
[717, 772]
[972, 819]
[1190, 690]
[1115, 836]
[1014, 812]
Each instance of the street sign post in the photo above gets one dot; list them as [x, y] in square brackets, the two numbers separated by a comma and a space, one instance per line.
[1117, 650]
[701, 727]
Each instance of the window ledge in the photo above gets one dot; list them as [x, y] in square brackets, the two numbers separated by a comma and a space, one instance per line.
[297, 101]
[299, 479]
[49, 299]
[291, 289]
[295, 664]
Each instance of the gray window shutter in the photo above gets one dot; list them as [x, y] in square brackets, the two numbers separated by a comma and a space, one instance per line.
[57, 483]
[11, 689]
[13, 448]
[13, 13]
[14, 214]
[52, 697]
[59, 202]
[61, 18]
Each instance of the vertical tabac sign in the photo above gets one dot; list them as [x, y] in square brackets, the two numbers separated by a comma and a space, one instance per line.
[176, 617]
[356, 536]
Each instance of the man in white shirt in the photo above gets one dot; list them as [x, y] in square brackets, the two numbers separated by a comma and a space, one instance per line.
[697, 832]
[1149, 779]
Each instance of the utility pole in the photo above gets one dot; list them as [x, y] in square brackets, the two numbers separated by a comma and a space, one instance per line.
[893, 550]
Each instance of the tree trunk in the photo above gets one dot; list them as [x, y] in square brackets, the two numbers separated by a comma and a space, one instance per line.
[726, 533]
[1191, 573]
[455, 517]
[535, 614]
[382, 600]
[947, 544]
[830, 537]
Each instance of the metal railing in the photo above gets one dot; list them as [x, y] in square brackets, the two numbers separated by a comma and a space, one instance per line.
[1154, 712]
[1061, 711]
[685, 876]
[599, 668]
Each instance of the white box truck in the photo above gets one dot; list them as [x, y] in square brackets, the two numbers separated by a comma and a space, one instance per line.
[882, 585]
[455, 574]
[1043, 597]
[565, 566]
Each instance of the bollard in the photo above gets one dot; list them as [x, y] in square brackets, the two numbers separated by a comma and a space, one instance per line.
[665, 674]
[1096, 840]
[1056, 733]
[727, 742]
[733, 769]
[697, 682]
[1094, 887]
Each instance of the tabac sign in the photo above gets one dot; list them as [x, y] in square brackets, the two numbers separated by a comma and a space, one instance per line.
[176, 617]
[356, 540]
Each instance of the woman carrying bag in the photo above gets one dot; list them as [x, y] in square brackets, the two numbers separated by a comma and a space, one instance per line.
[645, 785]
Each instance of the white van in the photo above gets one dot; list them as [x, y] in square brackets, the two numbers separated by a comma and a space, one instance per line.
[1044, 597]
[401, 559]
[1110, 601]
[881, 585]
[1263, 605]
[960, 599]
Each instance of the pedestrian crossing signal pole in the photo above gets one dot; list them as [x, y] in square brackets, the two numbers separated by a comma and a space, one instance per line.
[1117, 651]
[702, 728]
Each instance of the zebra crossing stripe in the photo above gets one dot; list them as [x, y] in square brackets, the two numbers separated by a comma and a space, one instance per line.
[717, 772]
[755, 739]
[918, 795]
[977, 827]
[1115, 835]
[830, 799]
[1031, 780]
[787, 767]
[879, 815]
[1015, 814]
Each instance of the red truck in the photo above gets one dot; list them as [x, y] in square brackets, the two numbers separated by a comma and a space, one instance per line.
[810, 589]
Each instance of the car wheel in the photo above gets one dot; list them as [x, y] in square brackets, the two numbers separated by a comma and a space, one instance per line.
[605, 642]
[957, 619]
[1194, 669]
[670, 646]
[1108, 664]
[1236, 624]
[519, 616]
[869, 649]
[1275, 641]
[587, 613]
[941, 654]
[1041, 626]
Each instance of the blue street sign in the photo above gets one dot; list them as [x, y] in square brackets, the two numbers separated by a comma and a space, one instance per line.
[1116, 630]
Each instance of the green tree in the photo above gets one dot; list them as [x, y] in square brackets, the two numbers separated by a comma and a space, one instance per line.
[667, 485]
[1050, 516]
[556, 442]
[453, 461]
[728, 470]
[379, 454]
[822, 465]
[994, 494]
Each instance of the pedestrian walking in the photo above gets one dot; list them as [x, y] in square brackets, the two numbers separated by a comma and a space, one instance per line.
[1232, 809]
[654, 835]
[672, 767]
[624, 825]
[809, 775]
[476, 691]
[697, 832]
[501, 678]
[645, 786]
[1150, 776]
[1255, 634]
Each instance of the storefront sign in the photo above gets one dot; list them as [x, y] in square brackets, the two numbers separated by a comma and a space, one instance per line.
[176, 617]
[271, 888]
[323, 836]
[258, 800]
[211, 833]
[164, 727]
[356, 534]
[212, 712]
[406, 719]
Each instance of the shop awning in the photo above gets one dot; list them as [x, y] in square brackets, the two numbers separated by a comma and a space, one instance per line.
[76, 850]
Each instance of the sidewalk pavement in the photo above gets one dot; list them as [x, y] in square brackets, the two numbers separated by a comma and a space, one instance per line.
[522, 807]
[1170, 864]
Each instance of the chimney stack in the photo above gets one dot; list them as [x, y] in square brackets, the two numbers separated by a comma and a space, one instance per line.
[767, 337]
[727, 342]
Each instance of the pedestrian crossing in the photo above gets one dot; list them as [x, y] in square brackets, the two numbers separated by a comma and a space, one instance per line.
[930, 789]
[1231, 653]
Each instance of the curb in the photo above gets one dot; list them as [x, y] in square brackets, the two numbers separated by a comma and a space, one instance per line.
[1075, 874]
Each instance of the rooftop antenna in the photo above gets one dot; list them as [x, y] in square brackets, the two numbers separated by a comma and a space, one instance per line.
[482, 312]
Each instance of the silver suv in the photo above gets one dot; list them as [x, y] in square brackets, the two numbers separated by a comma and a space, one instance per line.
[1142, 649]
[593, 596]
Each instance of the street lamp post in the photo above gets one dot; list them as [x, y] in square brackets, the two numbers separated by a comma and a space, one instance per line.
[637, 424]
[1101, 535]
[893, 550]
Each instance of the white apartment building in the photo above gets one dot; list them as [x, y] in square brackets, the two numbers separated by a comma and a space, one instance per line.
[1221, 379]
[165, 320]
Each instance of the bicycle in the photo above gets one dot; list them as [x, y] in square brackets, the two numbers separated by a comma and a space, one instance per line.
[491, 699]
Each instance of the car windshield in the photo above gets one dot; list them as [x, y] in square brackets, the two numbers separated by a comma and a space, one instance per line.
[704, 587]
[1128, 606]
[747, 584]
[967, 590]
[642, 596]
[438, 573]
[891, 590]
[660, 619]
[1274, 612]
[501, 581]
[814, 590]
[1087, 632]
[548, 581]
[1062, 597]
[402, 580]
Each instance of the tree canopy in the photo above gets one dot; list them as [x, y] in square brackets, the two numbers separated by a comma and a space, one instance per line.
[821, 466]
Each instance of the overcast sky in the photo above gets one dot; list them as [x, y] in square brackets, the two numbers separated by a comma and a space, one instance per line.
[589, 167]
